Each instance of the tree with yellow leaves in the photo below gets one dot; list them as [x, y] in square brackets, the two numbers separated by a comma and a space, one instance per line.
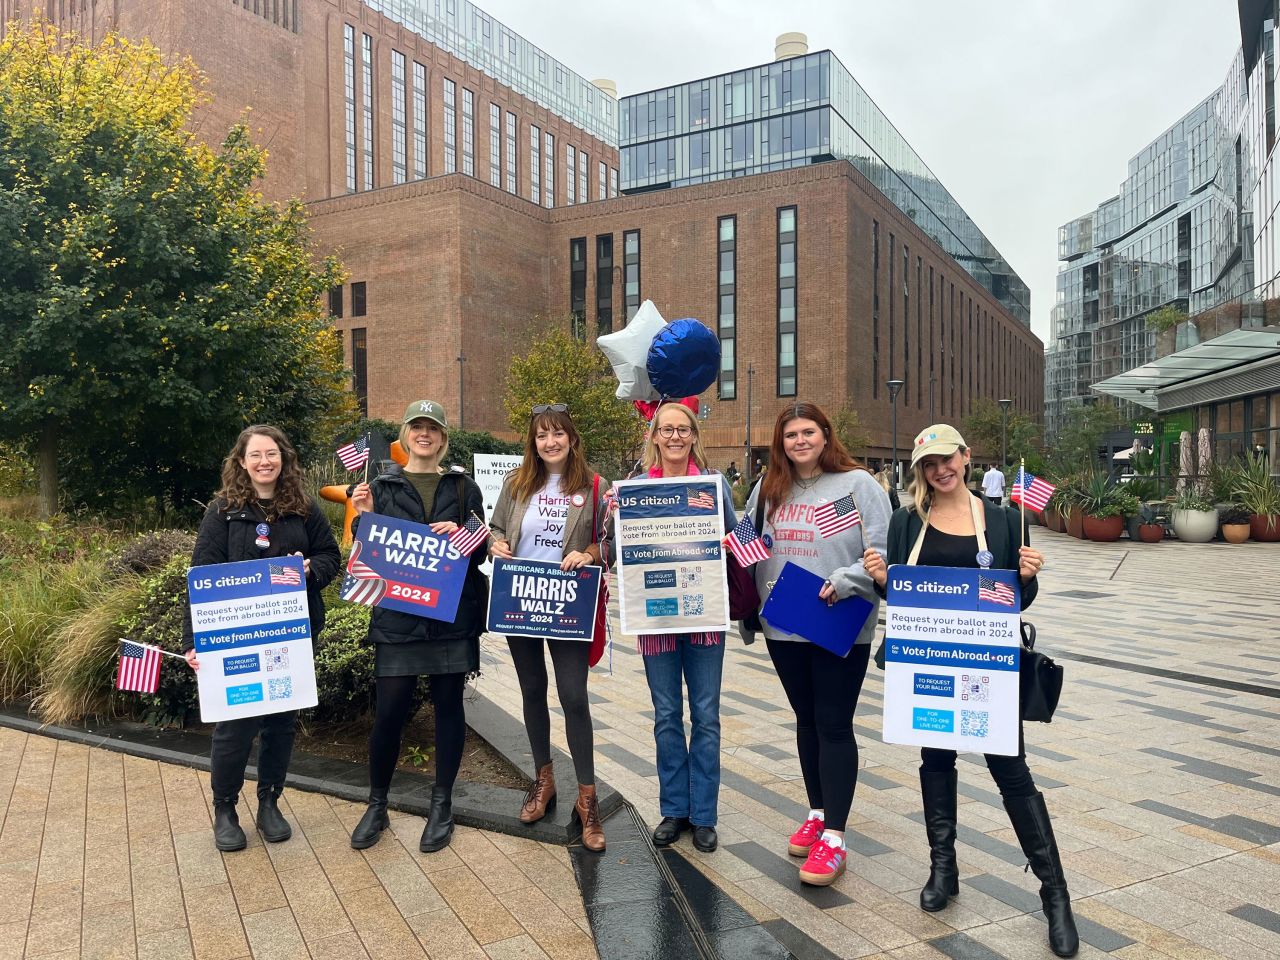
[154, 303]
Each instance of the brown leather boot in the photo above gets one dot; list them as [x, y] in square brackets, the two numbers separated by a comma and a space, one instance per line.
[541, 796]
[588, 810]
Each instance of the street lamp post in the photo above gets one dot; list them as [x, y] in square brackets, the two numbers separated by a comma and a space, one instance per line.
[462, 388]
[1004, 432]
[894, 387]
[747, 464]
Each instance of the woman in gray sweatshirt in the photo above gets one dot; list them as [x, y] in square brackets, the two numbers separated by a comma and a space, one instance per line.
[821, 510]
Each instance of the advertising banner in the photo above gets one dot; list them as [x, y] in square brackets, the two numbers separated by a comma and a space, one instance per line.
[253, 637]
[403, 566]
[535, 598]
[952, 649]
[669, 533]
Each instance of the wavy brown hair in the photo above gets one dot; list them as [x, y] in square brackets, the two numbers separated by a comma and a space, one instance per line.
[531, 476]
[781, 475]
[237, 489]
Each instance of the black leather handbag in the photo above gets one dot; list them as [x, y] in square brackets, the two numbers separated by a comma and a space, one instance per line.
[1039, 679]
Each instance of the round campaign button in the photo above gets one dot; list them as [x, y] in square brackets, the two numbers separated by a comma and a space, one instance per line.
[768, 541]
[578, 499]
[262, 543]
[262, 529]
[985, 558]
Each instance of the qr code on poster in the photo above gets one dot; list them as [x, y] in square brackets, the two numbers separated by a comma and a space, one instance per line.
[975, 688]
[693, 604]
[690, 577]
[280, 688]
[973, 723]
[275, 659]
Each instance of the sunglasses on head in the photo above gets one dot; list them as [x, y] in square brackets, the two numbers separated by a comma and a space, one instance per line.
[539, 408]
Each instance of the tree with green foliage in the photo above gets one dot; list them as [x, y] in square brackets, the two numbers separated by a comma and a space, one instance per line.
[984, 427]
[557, 368]
[154, 303]
[1166, 318]
[849, 428]
[1077, 445]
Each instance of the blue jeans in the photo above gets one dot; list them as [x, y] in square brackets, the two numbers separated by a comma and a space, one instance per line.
[688, 775]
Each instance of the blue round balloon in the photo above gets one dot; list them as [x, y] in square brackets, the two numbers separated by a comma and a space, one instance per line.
[684, 358]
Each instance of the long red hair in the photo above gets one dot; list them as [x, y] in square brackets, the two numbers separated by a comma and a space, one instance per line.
[781, 475]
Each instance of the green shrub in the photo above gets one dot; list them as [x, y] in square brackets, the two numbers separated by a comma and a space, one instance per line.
[17, 471]
[150, 552]
[157, 619]
[344, 665]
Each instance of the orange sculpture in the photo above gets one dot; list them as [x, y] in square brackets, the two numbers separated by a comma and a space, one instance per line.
[337, 493]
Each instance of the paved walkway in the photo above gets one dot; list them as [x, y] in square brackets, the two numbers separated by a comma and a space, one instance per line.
[1164, 786]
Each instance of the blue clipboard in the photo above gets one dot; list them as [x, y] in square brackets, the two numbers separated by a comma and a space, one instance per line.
[793, 606]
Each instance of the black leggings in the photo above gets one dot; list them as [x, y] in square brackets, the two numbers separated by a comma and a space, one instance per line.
[569, 657]
[823, 690]
[395, 700]
[1011, 774]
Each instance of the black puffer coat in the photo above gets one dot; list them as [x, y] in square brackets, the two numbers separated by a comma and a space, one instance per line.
[227, 536]
[456, 644]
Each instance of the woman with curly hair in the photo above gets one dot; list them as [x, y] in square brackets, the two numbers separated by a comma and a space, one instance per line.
[260, 511]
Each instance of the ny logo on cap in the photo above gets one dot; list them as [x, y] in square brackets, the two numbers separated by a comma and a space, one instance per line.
[426, 406]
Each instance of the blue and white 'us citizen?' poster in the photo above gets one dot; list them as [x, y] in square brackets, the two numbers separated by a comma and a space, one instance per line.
[253, 637]
[952, 644]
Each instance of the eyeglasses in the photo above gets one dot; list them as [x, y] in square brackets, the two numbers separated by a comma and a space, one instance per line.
[668, 432]
[549, 408]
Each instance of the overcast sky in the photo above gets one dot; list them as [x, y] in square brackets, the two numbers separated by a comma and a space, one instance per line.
[1027, 110]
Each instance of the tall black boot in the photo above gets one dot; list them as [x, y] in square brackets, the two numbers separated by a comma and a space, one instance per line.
[1030, 819]
[227, 835]
[938, 791]
[439, 829]
[271, 823]
[369, 830]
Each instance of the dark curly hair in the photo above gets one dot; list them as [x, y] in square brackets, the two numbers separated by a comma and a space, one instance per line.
[237, 489]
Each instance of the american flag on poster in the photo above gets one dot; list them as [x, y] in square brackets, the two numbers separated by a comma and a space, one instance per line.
[836, 516]
[1031, 490]
[283, 575]
[361, 584]
[139, 670]
[469, 536]
[355, 454]
[995, 591]
[702, 499]
[746, 544]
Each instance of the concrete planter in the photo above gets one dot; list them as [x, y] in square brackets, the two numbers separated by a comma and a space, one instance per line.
[1195, 526]
[1103, 529]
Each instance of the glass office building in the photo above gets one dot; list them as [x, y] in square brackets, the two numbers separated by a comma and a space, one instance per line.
[474, 36]
[788, 113]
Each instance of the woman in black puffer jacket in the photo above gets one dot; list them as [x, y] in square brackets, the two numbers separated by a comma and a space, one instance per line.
[406, 646]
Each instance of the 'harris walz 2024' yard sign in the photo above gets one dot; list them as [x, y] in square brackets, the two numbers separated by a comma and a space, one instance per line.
[535, 598]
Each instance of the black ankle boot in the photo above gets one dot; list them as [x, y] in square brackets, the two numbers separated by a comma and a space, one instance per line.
[938, 791]
[369, 830]
[271, 823]
[439, 829]
[1030, 819]
[227, 835]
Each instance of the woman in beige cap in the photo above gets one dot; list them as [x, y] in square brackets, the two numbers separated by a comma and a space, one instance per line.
[950, 527]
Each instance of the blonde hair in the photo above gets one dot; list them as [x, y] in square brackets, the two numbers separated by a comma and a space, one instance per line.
[918, 486]
[404, 438]
[651, 454]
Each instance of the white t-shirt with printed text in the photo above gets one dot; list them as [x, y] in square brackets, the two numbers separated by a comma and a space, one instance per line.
[542, 529]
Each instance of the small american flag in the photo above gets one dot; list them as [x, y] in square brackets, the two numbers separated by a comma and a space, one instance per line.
[995, 591]
[362, 583]
[1031, 490]
[284, 576]
[837, 516]
[702, 499]
[746, 544]
[469, 536]
[355, 454]
[139, 669]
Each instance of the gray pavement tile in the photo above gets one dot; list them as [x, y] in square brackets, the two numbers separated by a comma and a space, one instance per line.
[1233, 825]
[762, 794]
[1238, 708]
[800, 945]
[1127, 691]
[877, 782]
[1184, 716]
[785, 871]
[756, 702]
[637, 765]
[1005, 892]
[1259, 916]
[961, 946]
[1237, 668]
[1049, 754]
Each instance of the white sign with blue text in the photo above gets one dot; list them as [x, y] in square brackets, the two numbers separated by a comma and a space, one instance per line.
[253, 637]
[952, 645]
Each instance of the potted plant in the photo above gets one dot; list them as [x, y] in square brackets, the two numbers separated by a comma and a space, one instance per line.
[1235, 523]
[1150, 527]
[1257, 492]
[1195, 519]
[1054, 509]
[1142, 489]
[1103, 511]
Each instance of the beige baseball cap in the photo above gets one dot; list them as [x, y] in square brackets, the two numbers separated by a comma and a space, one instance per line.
[941, 439]
[428, 409]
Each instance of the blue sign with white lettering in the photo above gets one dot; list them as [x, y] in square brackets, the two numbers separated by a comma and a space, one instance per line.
[659, 579]
[935, 721]
[404, 566]
[535, 598]
[934, 685]
[243, 663]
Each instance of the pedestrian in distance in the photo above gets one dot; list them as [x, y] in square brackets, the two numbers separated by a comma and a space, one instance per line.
[260, 511]
[948, 527]
[811, 468]
[549, 509]
[885, 478]
[407, 647]
[993, 485]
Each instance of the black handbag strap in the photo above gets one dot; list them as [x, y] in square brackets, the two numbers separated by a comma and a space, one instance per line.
[1028, 635]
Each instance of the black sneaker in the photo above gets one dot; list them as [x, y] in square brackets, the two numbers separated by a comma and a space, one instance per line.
[668, 831]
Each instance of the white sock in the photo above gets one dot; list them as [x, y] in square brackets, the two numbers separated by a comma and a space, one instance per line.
[832, 839]
[816, 815]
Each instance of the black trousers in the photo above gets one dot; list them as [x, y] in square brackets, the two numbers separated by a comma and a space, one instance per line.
[232, 742]
[394, 701]
[823, 690]
[1011, 774]
[570, 659]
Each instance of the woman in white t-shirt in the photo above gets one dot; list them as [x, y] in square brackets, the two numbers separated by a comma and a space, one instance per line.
[549, 509]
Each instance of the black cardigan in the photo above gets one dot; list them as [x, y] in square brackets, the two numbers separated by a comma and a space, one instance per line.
[1002, 541]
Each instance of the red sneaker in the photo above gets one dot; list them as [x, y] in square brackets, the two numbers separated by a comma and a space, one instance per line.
[824, 864]
[804, 838]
